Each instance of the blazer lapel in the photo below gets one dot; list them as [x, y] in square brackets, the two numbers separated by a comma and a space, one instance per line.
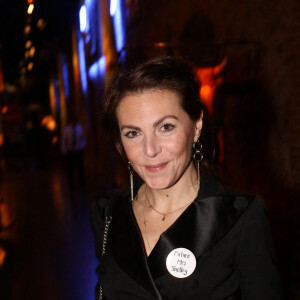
[126, 246]
[200, 227]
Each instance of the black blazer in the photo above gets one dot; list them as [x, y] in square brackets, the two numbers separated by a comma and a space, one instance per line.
[228, 234]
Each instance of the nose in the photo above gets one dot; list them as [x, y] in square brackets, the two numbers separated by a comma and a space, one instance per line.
[152, 146]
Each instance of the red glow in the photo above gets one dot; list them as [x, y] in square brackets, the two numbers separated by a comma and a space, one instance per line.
[2, 256]
[206, 95]
[4, 109]
[210, 78]
[54, 140]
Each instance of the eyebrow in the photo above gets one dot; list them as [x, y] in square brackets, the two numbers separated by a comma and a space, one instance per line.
[154, 125]
[130, 127]
[163, 118]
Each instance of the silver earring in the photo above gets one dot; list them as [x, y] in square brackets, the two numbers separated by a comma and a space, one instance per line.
[198, 156]
[131, 180]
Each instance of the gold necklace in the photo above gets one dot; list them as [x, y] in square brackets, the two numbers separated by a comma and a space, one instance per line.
[163, 214]
[145, 221]
[145, 225]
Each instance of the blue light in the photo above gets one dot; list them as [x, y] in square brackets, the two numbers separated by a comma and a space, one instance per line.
[117, 19]
[113, 7]
[98, 68]
[82, 66]
[102, 64]
[65, 76]
[83, 19]
[57, 103]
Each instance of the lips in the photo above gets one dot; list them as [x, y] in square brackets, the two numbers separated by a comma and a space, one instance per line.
[156, 168]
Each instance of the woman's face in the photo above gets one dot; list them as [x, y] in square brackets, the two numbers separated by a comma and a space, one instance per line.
[157, 136]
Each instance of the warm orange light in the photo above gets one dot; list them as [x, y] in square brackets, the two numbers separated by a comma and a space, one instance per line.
[49, 123]
[210, 79]
[206, 94]
[52, 98]
[27, 29]
[30, 66]
[1, 139]
[4, 109]
[28, 44]
[160, 44]
[6, 216]
[2, 256]
[40, 24]
[54, 140]
[30, 1]
[32, 51]
[26, 55]
[30, 8]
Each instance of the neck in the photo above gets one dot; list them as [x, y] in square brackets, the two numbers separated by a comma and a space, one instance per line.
[183, 192]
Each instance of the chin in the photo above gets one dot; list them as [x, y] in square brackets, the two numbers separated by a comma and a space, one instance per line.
[158, 184]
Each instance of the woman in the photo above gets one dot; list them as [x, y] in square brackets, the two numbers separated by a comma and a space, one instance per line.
[181, 234]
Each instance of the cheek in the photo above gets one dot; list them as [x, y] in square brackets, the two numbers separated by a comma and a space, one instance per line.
[181, 145]
[130, 151]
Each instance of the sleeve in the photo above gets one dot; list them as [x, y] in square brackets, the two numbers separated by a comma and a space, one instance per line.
[255, 260]
[98, 222]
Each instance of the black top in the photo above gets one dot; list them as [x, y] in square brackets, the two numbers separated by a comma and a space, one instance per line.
[227, 233]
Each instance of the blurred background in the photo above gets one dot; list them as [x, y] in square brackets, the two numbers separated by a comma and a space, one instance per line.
[56, 60]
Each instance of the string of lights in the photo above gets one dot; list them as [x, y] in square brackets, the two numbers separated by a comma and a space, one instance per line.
[33, 23]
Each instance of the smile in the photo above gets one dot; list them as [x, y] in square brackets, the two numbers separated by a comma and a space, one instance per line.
[156, 168]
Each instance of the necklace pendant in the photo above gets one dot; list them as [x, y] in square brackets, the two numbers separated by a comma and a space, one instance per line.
[163, 218]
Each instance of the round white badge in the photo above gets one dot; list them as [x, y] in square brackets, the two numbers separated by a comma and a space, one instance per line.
[181, 262]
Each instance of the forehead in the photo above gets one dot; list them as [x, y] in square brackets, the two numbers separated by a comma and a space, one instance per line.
[149, 102]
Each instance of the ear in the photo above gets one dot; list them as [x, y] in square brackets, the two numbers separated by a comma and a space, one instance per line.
[198, 127]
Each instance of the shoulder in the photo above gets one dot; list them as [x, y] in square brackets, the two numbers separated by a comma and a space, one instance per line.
[255, 213]
[103, 206]
[243, 207]
[245, 201]
[229, 197]
[99, 209]
[249, 205]
[99, 204]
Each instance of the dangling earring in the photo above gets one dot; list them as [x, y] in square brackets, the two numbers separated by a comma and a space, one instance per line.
[131, 180]
[197, 155]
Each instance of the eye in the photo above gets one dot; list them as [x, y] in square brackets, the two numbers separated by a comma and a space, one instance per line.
[167, 127]
[131, 134]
